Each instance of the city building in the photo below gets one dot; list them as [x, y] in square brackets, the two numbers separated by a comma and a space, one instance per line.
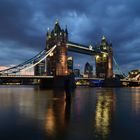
[76, 72]
[104, 60]
[88, 70]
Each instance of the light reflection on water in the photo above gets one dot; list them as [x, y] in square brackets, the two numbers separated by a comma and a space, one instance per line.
[136, 101]
[94, 113]
[103, 114]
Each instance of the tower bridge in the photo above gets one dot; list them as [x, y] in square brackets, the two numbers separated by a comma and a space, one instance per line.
[57, 62]
[53, 60]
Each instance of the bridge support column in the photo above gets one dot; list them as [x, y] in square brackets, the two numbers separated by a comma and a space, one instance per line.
[110, 66]
[104, 60]
[61, 66]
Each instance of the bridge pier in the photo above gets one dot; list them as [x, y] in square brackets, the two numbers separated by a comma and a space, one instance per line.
[58, 82]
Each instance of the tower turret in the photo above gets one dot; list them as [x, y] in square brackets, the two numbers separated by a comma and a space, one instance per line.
[57, 62]
[66, 33]
[104, 60]
[48, 34]
[57, 28]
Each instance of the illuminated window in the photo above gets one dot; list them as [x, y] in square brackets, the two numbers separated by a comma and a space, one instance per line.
[104, 48]
[104, 55]
[51, 54]
[97, 56]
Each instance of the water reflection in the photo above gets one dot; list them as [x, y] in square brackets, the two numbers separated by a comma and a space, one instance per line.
[93, 113]
[57, 115]
[50, 121]
[136, 100]
[47, 109]
[103, 113]
[56, 112]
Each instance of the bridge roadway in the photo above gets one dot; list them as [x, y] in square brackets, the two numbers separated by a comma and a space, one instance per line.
[42, 77]
[60, 80]
[50, 77]
[25, 77]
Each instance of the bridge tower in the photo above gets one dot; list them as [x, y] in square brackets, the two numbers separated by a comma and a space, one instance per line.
[57, 61]
[104, 60]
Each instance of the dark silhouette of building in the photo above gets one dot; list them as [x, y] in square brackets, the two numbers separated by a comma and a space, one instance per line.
[76, 72]
[88, 70]
[104, 60]
[70, 64]
[57, 61]
[39, 69]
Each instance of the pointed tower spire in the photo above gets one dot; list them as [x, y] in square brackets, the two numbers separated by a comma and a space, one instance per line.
[66, 30]
[104, 41]
[56, 22]
[57, 28]
[103, 38]
[48, 31]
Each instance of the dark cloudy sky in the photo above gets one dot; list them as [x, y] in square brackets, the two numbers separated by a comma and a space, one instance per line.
[23, 26]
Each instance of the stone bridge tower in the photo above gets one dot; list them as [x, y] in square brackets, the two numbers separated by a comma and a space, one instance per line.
[104, 60]
[57, 61]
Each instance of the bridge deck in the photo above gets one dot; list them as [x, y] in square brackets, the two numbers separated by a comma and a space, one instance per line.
[25, 77]
[74, 47]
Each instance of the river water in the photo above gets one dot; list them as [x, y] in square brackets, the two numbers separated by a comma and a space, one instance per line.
[28, 113]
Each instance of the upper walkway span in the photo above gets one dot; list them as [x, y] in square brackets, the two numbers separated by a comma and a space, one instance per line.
[79, 48]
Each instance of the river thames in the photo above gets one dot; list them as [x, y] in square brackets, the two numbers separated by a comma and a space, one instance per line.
[28, 113]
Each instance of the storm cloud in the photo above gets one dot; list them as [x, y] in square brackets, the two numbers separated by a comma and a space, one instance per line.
[23, 26]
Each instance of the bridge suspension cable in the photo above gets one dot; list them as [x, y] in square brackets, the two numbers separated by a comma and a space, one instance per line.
[47, 54]
[26, 62]
[25, 65]
[118, 67]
